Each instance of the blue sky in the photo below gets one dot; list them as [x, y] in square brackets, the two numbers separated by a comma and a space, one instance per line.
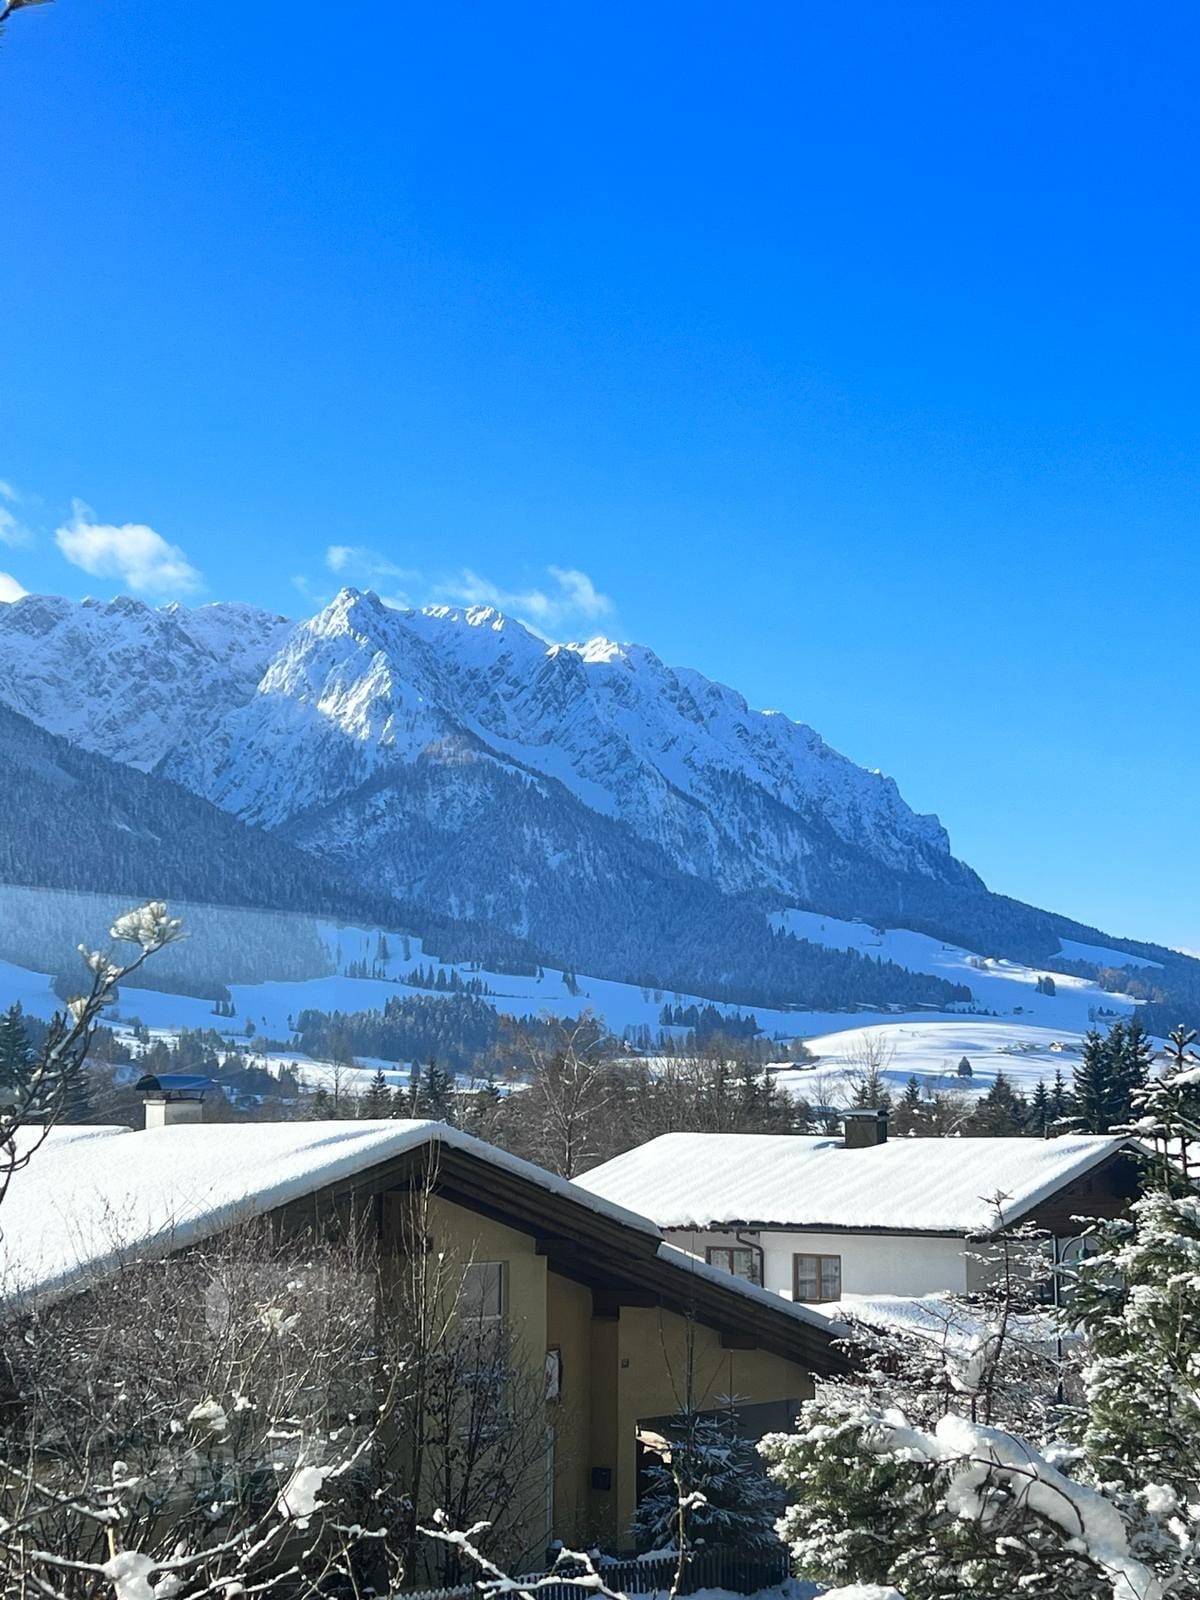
[846, 353]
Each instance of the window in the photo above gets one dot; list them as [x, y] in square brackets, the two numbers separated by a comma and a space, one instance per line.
[816, 1278]
[742, 1263]
[554, 1373]
[484, 1291]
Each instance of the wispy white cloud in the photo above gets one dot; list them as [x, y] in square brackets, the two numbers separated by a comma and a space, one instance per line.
[569, 597]
[12, 531]
[359, 558]
[10, 589]
[133, 552]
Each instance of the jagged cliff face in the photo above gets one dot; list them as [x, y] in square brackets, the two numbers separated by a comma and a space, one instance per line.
[738, 797]
[127, 681]
[379, 738]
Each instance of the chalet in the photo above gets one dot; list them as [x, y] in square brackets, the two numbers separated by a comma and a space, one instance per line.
[826, 1220]
[596, 1296]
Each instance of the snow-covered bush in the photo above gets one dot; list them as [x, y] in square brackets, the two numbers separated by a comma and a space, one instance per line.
[1136, 1300]
[962, 1512]
[962, 1509]
[207, 1422]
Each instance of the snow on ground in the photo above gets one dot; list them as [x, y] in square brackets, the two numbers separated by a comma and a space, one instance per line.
[1021, 1038]
[1102, 956]
[937, 1317]
[1005, 987]
[33, 991]
[929, 1050]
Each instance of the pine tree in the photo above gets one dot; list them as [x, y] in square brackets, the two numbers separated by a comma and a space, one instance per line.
[320, 1107]
[1095, 1094]
[434, 1093]
[76, 1100]
[1062, 1101]
[16, 1054]
[1001, 1114]
[1168, 1109]
[965, 1069]
[871, 1094]
[377, 1102]
[1039, 1109]
[708, 1457]
[1135, 1302]
[1132, 1054]
[1111, 1075]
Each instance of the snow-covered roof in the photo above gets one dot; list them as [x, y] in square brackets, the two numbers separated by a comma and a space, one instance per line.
[92, 1198]
[703, 1180]
[88, 1198]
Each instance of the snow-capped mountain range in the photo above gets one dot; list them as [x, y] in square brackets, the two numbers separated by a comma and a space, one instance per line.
[588, 798]
[270, 720]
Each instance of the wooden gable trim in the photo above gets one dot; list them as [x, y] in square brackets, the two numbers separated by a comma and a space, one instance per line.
[617, 1261]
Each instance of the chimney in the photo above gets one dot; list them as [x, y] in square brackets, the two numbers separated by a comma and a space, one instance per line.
[862, 1130]
[165, 1111]
[173, 1099]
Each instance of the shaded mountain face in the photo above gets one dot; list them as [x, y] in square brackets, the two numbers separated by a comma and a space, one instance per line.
[72, 819]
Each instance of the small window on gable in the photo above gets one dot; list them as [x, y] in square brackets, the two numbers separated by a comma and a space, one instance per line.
[484, 1291]
[816, 1278]
[741, 1262]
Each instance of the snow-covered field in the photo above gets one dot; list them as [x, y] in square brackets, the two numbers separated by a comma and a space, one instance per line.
[930, 1050]
[1029, 1036]
[1005, 987]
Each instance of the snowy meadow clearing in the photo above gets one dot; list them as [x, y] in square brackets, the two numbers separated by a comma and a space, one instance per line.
[1013, 1027]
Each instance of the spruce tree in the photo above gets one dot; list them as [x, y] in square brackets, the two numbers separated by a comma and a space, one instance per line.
[1132, 1054]
[1111, 1076]
[708, 1458]
[75, 1103]
[1001, 1114]
[16, 1054]
[1168, 1109]
[1096, 1096]
[1040, 1115]
[1062, 1101]
[871, 1093]
[377, 1102]
[1134, 1300]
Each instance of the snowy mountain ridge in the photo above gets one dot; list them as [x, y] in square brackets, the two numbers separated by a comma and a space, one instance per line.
[580, 806]
[124, 679]
[271, 720]
[364, 689]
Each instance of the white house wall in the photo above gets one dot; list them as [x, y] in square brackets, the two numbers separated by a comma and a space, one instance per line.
[872, 1263]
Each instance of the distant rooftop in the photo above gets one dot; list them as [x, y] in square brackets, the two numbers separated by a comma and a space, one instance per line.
[712, 1180]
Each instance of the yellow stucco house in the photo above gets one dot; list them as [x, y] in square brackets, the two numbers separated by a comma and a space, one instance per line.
[620, 1326]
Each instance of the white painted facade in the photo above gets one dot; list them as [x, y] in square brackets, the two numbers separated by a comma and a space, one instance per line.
[872, 1263]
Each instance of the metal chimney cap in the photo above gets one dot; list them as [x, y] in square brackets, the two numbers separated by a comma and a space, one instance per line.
[175, 1085]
